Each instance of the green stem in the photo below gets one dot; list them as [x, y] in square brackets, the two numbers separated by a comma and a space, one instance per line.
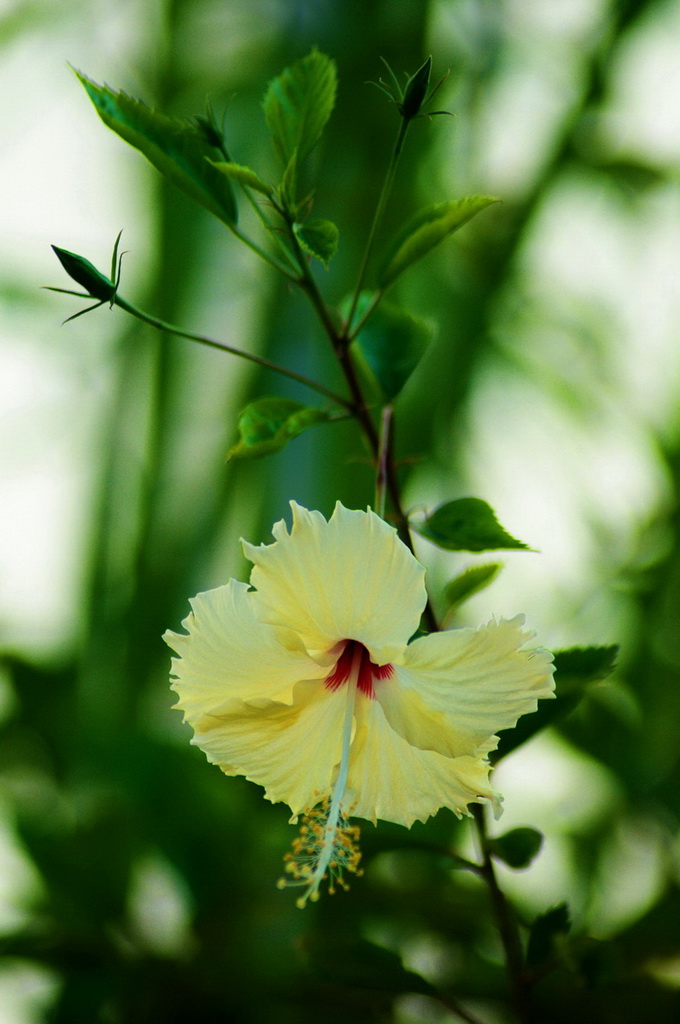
[455, 1007]
[379, 211]
[340, 344]
[267, 257]
[356, 327]
[340, 341]
[286, 271]
[384, 458]
[518, 975]
[293, 269]
[161, 325]
[340, 338]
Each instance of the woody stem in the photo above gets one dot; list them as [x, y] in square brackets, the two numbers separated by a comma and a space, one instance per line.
[518, 975]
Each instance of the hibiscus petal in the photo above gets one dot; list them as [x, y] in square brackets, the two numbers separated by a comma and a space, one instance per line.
[348, 578]
[290, 749]
[390, 779]
[228, 654]
[456, 689]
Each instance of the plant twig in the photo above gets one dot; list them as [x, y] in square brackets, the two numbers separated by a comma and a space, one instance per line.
[161, 325]
[455, 1007]
[519, 977]
[377, 218]
[384, 458]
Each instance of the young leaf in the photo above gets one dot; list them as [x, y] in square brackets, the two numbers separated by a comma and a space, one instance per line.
[545, 934]
[267, 425]
[242, 175]
[426, 229]
[178, 149]
[298, 103]
[318, 238]
[389, 346]
[470, 582]
[518, 847]
[575, 670]
[468, 524]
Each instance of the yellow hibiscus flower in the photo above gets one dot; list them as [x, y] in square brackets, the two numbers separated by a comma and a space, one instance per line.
[308, 685]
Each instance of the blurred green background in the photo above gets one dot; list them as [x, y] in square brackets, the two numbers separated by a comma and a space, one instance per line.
[136, 882]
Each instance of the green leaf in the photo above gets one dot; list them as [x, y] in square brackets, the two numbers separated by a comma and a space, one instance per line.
[518, 847]
[468, 524]
[632, 176]
[318, 238]
[389, 346]
[426, 229]
[575, 670]
[298, 103]
[579, 666]
[470, 582]
[243, 175]
[178, 149]
[545, 934]
[267, 425]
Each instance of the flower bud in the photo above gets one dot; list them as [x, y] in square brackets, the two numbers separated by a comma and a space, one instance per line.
[86, 275]
[415, 92]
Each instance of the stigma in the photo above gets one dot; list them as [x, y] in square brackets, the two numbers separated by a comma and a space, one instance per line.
[354, 658]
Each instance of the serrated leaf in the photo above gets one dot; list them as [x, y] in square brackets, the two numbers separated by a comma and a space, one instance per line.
[424, 231]
[178, 149]
[545, 934]
[243, 175]
[583, 665]
[575, 669]
[298, 103]
[467, 524]
[318, 238]
[389, 346]
[267, 425]
[470, 582]
[518, 847]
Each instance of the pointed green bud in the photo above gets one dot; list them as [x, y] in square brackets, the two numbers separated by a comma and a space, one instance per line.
[207, 126]
[415, 92]
[85, 274]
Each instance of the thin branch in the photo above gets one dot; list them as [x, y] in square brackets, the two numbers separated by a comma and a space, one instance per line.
[161, 325]
[267, 257]
[384, 458]
[356, 327]
[377, 218]
[519, 977]
[455, 1007]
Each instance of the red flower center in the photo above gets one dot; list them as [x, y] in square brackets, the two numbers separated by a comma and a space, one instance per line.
[355, 658]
